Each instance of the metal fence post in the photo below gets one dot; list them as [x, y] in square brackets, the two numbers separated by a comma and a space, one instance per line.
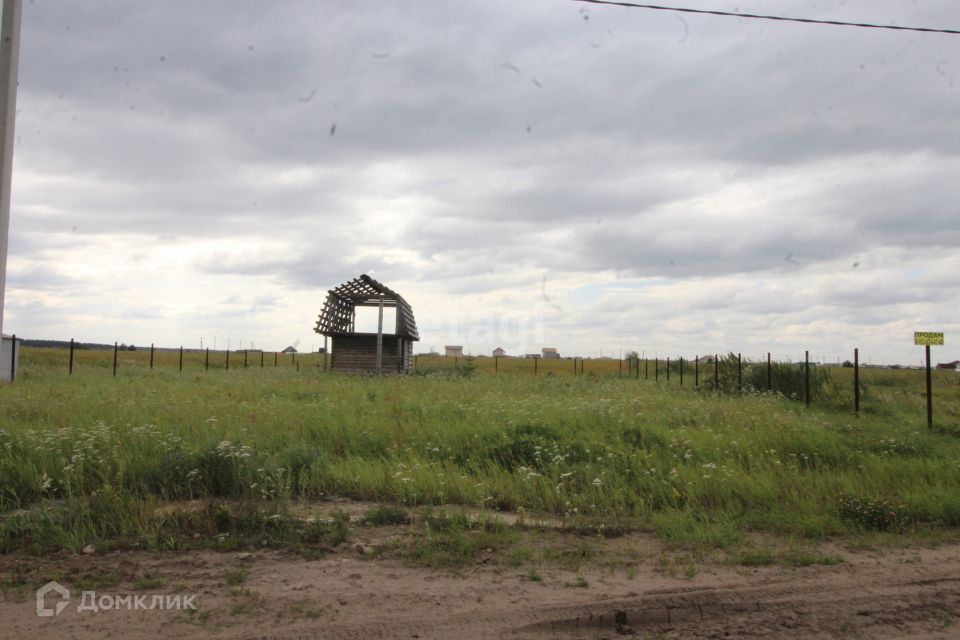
[856, 382]
[114, 359]
[769, 373]
[929, 392]
[181, 357]
[71, 357]
[739, 373]
[151, 356]
[806, 378]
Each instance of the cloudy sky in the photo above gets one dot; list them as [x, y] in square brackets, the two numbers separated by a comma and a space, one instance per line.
[526, 174]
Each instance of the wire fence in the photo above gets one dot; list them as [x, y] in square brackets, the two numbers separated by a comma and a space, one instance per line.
[76, 357]
[853, 387]
[847, 386]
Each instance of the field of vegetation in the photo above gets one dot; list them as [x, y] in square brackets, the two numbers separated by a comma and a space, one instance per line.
[170, 459]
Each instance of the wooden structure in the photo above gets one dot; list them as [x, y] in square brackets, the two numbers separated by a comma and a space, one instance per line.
[367, 352]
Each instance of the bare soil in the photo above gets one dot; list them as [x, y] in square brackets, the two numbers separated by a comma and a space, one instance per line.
[631, 587]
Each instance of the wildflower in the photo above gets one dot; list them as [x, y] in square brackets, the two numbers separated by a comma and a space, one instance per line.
[597, 482]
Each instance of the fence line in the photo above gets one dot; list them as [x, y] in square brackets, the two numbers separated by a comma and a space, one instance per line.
[602, 367]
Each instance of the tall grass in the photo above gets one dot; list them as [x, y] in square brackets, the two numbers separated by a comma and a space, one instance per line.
[605, 452]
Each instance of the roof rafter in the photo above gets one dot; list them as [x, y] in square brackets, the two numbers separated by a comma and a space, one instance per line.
[338, 312]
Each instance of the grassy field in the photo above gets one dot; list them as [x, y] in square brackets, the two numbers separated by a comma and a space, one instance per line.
[90, 458]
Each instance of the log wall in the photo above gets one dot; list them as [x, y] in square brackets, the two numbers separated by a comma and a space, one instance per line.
[358, 353]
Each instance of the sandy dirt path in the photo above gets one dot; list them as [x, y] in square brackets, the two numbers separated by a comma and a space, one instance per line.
[902, 593]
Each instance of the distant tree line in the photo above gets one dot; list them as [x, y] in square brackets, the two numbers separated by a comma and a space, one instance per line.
[65, 344]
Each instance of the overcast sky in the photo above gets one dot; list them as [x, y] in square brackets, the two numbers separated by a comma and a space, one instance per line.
[525, 174]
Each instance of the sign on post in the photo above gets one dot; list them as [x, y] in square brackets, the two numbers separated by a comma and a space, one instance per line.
[927, 338]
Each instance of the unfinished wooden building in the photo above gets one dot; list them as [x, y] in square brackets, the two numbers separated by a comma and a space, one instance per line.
[358, 352]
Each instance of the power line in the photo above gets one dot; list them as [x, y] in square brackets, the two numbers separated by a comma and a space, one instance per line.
[835, 23]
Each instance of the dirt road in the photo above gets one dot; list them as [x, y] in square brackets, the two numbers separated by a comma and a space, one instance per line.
[903, 593]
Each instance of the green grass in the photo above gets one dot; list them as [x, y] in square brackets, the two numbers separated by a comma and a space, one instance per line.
[148, 582]
[580, 583]
[236, 576]
[604, 453]
[449, 541]
[793, 557]
[385, 514]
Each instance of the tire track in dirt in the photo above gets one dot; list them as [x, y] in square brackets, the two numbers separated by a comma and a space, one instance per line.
[755, 611]
[897, 593]
[784, 608]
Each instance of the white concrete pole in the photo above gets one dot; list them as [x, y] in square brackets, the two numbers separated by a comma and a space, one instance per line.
[380, 341]
[9, 61]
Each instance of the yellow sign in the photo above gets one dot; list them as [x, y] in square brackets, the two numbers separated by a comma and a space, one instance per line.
[928, 337]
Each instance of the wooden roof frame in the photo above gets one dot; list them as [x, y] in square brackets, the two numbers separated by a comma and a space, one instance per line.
[339, 309]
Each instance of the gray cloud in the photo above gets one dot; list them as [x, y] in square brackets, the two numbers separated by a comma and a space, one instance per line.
[469, 150]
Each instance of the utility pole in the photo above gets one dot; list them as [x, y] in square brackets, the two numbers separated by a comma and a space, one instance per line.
[9, 61]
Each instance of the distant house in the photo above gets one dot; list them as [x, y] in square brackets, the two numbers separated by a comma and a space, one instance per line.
[453, 351]
[499, 351]
[706, 359]
[955, 365]
[550, 353]
[532, 356]
[289, 350]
